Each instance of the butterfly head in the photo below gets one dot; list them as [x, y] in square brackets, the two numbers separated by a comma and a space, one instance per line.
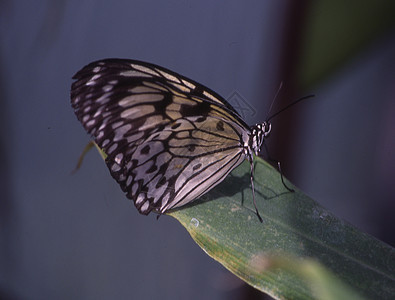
[258, 133]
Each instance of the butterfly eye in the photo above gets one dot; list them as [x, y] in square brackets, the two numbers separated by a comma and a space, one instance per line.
[267, 127]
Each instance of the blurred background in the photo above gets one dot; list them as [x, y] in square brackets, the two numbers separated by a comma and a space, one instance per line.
[65, 236]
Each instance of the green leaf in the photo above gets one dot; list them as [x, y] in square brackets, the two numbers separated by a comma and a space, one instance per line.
[295, 228]
[301, 251]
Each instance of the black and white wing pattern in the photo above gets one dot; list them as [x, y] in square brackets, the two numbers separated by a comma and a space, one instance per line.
[168, 139]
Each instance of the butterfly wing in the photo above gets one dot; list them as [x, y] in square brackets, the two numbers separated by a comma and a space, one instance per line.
[167, 138]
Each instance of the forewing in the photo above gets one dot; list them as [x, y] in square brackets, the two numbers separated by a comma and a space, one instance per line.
[168, 138]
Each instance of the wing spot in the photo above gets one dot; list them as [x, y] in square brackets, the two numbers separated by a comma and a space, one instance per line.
[220, 126]
[145, 206]
[197, 166]
[145, 150]
[117, 124]
[129, 181]
[168, 76]
[134, 186]
[100, 135]
[115, 167]
[103, 99]
[95, 77]
[133, 73]
[112, 148]
[210, 96]
[122, 131]
[144, 69]
[182, 134]
[118, 158]
[105, 143]
[201, 119]
[165, 200]
[91, 123]
[140, 198]
[97, 113]
[152, 169]
[108, 88]
[137, 111]
[189, 84]
[191, 148]
[161, 182]
[76, 100]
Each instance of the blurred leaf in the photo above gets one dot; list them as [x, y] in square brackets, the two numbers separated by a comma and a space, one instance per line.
[294, 226]
[337, 31]
[322, 283]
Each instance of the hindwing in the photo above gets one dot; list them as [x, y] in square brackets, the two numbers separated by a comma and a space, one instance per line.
[168, 139]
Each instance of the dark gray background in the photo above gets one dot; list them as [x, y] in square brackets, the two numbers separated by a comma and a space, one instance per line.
[76, 236]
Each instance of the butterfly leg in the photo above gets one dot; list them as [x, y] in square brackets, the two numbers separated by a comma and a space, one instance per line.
[278, 168]
[282, 177]
[253, 191]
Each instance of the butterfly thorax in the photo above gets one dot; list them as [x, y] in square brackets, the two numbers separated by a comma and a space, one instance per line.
[258, 133]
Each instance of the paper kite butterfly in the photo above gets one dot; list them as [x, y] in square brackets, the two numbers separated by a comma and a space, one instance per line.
[168, 139]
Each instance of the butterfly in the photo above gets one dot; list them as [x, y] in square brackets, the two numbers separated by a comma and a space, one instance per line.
[168, 139]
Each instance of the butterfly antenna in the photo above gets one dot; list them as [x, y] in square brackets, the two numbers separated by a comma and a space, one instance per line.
[289, 105]
[274, 98]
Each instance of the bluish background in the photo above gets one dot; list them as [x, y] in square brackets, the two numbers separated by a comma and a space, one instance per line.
[76, 236]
